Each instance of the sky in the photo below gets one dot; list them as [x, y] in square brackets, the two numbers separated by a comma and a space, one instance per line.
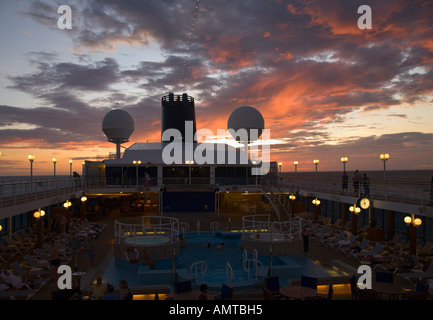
[325, 87]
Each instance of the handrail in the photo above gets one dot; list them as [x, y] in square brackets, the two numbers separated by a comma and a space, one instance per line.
[214, 226]
[169, 229]
[229, 274]
[203, 269]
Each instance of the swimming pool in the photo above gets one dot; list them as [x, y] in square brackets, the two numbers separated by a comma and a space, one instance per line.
[197, 249]
[146, 240]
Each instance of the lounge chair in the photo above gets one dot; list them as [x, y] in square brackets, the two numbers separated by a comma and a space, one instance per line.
[14, 294]
[377, 249]
[36, 263]
[342, 244]
[21, 247]
[24, 240]
[356, 248]
[320, 234]
[328, 241]
[7, 252]
[417, 274]
[41, 273]
[40, 256]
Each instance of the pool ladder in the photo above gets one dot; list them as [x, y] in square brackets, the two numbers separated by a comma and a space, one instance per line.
[255, 262]
[198, 267]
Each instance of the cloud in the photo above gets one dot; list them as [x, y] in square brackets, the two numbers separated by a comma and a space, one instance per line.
[305, 65]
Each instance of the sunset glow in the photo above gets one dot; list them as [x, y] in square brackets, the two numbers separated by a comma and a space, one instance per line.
[325, 88]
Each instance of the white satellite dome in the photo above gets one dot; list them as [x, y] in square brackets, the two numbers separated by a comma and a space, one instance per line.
[247, 118]
[118, 125]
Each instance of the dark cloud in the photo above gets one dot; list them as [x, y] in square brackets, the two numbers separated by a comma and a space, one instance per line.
[303, 64]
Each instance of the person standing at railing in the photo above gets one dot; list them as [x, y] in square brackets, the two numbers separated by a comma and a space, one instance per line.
[357, 178]
[344, 182]
[366, 184]
[147, 183]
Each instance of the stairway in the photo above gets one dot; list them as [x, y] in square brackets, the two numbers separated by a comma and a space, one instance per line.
[280, 205]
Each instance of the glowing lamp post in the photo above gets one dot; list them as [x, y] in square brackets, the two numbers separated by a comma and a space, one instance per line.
[31, 159]
[344, 161]
[70, 167]
[83, 207]
[355, 210]
[292, 198]
[67, 204]
[54, 163]
[412, 223]
[316, 163]
[38, 215]
[384, 157]
[316, 203]
[136, 163]
[296, 171]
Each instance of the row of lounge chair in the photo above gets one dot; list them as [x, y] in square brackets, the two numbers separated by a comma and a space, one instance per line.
[389, 256]
[21, 256]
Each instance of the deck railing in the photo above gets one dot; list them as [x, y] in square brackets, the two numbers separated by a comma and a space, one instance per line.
[14, 192]
[410, 192]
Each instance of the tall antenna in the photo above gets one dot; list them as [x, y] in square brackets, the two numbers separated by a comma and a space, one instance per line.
[185, 63]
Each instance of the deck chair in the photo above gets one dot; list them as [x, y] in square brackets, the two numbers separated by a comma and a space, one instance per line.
[19, 246]
[64, 256]
[356, 248]
[320, 233]
[41, 273]
[40, 256]
[377, 249]
[26, 241]
[7, 253]
[417, 274]
[331, 240]
[14, 294]
[272, 285]
[226, 292]
[343, 244]
[309, 282]
[182, 286]
[36, 263]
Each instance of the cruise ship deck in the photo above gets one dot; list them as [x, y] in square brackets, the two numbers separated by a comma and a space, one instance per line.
[106, 203]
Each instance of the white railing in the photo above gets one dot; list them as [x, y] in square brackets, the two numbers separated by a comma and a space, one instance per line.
[229, 274]
[254, 263]
[152, 227]
[408, 191]
[214, 226]
[14, 192]
[263, 229]
[198, 267]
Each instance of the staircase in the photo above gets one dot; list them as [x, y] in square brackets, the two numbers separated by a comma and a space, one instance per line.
[281, 206]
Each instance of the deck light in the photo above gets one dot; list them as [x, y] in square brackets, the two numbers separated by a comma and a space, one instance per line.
[39, 214]
[355, 209]
[344, 161]
[384, 157]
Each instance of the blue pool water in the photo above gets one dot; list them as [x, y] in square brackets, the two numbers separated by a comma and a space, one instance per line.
[196, 249]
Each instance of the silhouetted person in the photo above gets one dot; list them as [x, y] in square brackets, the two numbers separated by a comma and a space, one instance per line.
[344, 182]
[357, 178]
[366, 184]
